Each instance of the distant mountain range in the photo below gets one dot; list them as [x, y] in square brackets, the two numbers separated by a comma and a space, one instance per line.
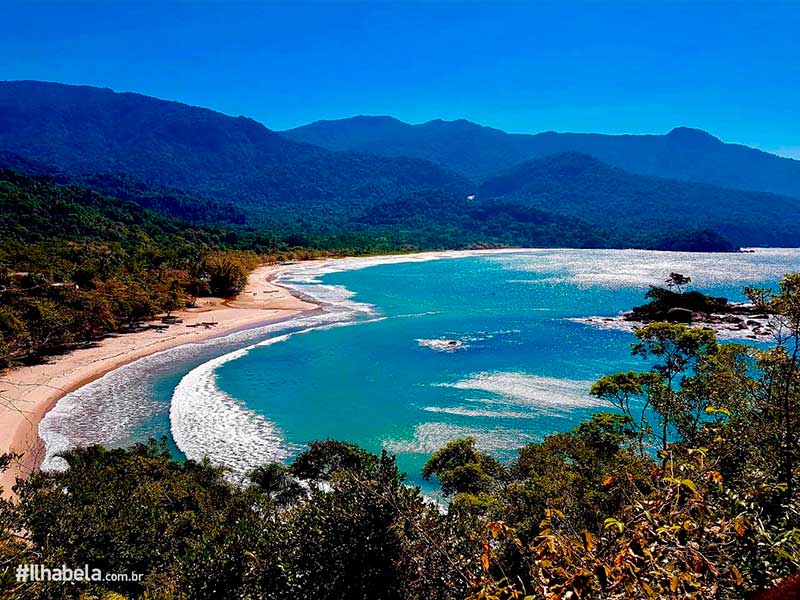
[80, 130]
[479, 152]
[578, 185]
[375, 183]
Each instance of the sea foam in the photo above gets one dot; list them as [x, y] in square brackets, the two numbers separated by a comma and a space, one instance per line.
[546, 395]
[206, 422]
[109, 410]
[430, 437]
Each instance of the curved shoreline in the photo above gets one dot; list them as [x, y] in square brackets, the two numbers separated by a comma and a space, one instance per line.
[27, 394]
[30, 392]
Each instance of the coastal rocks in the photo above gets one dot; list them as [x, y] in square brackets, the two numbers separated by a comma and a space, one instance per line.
[442, 344]
[731, 319]
[744, 330]
[755, 326]
[679, 315]
[744, 325]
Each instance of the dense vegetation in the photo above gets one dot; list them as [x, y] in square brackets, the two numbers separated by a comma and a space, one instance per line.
[203, 167]
[83, 130]
[480, 152]
[686, 488]
[75, 265]
[579, 185]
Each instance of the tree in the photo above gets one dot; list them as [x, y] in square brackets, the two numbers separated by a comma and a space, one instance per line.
[325, 458]
[677, 350]
[226, 272]
[180, 524]
[625, 391]
[276, 482]
[677, 281]
[462, 469]
[782, 367]
[674, 540]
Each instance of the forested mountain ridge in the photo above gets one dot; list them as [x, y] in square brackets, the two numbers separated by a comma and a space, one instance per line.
[207, 168]
[80, 130]
[480, 152]
[578, 185]
[168, 201]
[76, 265]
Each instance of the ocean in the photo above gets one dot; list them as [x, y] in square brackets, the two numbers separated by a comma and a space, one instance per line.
[410, 353]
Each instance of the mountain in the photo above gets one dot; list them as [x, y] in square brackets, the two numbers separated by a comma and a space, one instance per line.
[467, 148]
[81, 130]
[208, 168]
[479, 152]
[168, 201]
[349, 133]
[578, 185]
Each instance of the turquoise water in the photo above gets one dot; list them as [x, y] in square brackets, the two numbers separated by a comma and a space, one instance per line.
[432, 351]
[375, 385]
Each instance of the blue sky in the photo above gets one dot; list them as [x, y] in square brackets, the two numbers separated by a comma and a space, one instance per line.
[731, 68]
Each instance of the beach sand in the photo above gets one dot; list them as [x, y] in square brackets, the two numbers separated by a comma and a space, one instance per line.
[27, 393]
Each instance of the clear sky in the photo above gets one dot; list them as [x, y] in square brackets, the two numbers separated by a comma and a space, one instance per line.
[730, 68]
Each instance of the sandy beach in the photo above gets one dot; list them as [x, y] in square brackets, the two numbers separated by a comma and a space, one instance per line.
[27, 393]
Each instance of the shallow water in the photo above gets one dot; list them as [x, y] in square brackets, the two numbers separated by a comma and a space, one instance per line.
[409, 356]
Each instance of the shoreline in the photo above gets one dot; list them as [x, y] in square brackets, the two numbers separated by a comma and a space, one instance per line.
[742, 331]
[30, 392]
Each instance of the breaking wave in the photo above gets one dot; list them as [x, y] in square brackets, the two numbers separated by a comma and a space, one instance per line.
[109, 410]
[430, 437]
[546, 395]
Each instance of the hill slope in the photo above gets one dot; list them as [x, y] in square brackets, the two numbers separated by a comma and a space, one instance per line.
[202, 166]
[574, 184]
[82, 130]
[479, 152]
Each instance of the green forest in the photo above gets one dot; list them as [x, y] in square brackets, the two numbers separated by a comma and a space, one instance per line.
[209, 169]
[686, 487]
[76, 265]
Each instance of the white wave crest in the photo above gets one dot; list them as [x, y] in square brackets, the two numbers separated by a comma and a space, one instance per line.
[461, 411]
[208, 423]
[107, 410]
[546, 394]
[429, 437]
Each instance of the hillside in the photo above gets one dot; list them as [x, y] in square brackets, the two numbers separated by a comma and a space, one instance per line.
[578, 185]
[168, 201]
[47, 227]
[76, 265]
[480, 152]
[207, 168]
[81, 130]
